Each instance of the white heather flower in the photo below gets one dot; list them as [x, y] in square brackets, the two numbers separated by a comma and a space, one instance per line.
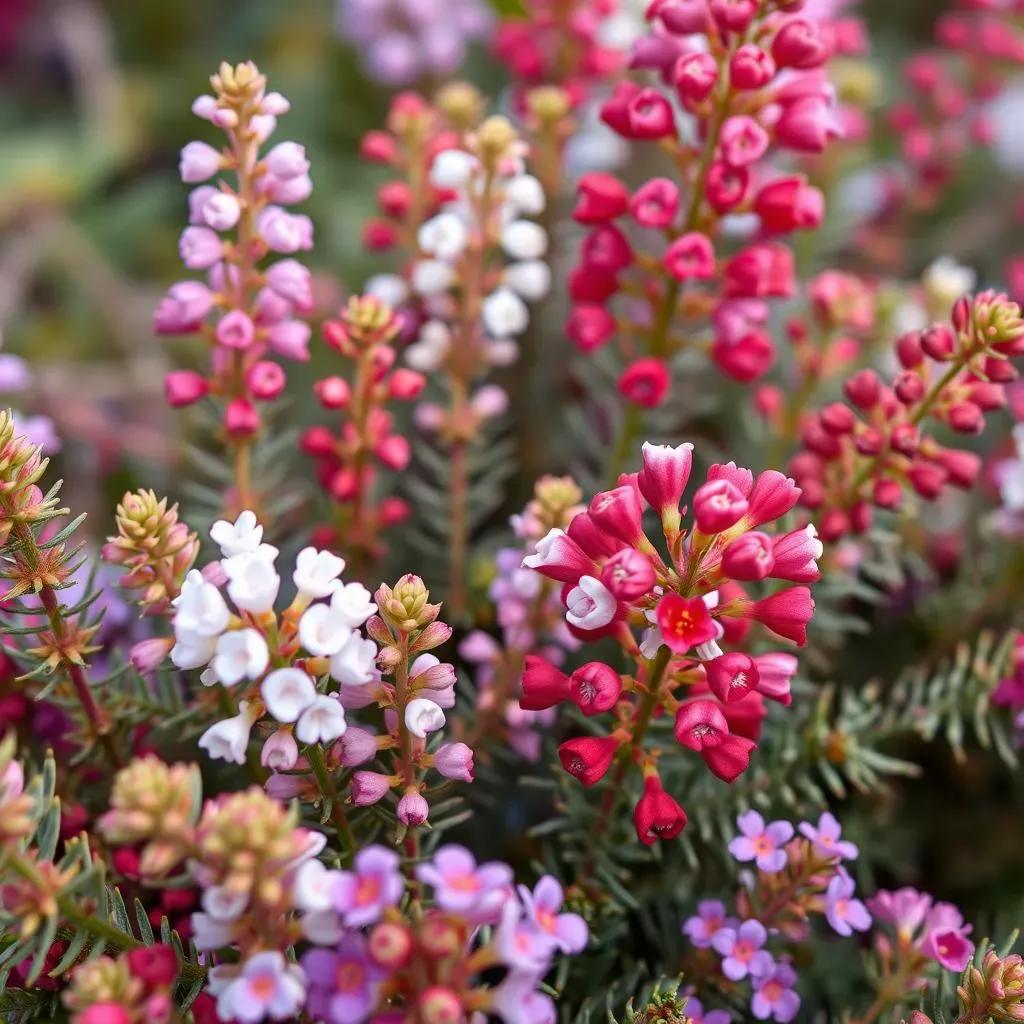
[313, 885]
[353, 603]
[252, 579]
[209, 934]
[354, 664]
[267, 986]
[199, 609]
[323, 630]
[389, 288]
[316, 572]
[429, 277]
[590, 604]
[322, 927]
[223, 905]
[280, 751]
[244, 534]
[423, 716]
[452, 168]
[229, 739]
[192, 650]
[501, 351]
[428, 352]
[505, 314]
[526, 194]
[945, 281]
[322, 722]
[241, 654]
[530, 279]
[524, 240]
[287, 692]
[444, 236]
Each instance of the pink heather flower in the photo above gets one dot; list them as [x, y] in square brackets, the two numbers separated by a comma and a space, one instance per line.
[684, 622]
[566, 932]
[199, 161]
[695, 1012]
[290, 338]
[280, 752]
[691, 257]
[343, 983]
[764, 844]
[462, 887]
[292, 281]
[183, 308]
[200, 248]
[590, 604]
[796, 556]
[454, 761]
[267, 986]
[368, 788]
[905, 909]
[374, 883]
[703, 926]
[826, 838]
[844, 913]
[664, 475]
[413, 808]
[559, 557]
[356, 747]
[743, 141]
[588, 758]
[774, 673]
[774, 997]
[235, 330]
[285, 232]
[741, 949]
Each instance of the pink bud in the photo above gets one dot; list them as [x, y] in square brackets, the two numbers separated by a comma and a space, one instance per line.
[743, 141]
[665, 474]
[908, 388]
[628, 575]
[200, 248]
[356, 747]
[762, 270]
[183, 387]
[413, 809]
[608, 248]
[807, 125]
[751, 68]
[285, 193]
[241, 419]
[378, 147]
[748, 558]
[287, 160]
[543, 684]
[717, 506]
[938, 342]
[199, 161]
[786, 614]
[183, 308]
[285, 232]
[649, 116]
[732, 676]
[290, 338]
[221, 211]
[962, 468]
[406, 385]
[863, 389]
[590, 326]
[490, 401]
[796, 556]
[589, 757]
[789, 204]
[368, 788]
[802, 43]
[333, 392]
[148, 655]
[747, 358]
[681, 17]
[280, 752]
[619, 514]
[656, 203]
[394, 451]
[694, 76]
[774, 673]
[600, 197]
[965, 418]
[726, 187]
[595, 688]
[291, 280]
[645, 382]
[235, 330]
[733, 15]
[454, 761]
[266, 380]
[690, 257]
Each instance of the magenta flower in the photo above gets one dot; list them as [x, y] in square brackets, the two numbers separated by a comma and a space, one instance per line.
[521, 945]
[463, 888]
[706, 923]
[826, 838]
[567, 932]
[517, 1001]
[945, 937]
[774, 996]
[844, 913]
[360, 896]
[761, 843]
[694, 1011]
[343, 983]
[905, 909]
[741, 948]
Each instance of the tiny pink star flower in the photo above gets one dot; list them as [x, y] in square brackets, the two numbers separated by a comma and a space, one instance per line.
[763, 844]
[826, 838]
[842, 912]
[741, 951]
[774, 998]
[703, 926]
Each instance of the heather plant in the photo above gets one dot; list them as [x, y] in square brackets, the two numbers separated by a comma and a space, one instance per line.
[610, 616]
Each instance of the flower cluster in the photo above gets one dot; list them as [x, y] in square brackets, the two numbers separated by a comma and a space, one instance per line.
[345, 458]
[995, 989]
[615, 579]
[864, 454]
[245, 310]
[750, 82]
[402, 41]
[925, 932]
[135, 988]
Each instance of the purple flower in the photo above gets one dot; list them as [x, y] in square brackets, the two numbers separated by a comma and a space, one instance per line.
[517, 1001]
[761, 843]
[521, 945]
[15, 374]
[463, 888]
[774, 996]
[842, 912]
[741, 948]
[905, 909]
[945, 937]
[694, 1011]
[266, 986]
[567, 932]
[343, 983]
[702, 927]
[360, 896]
[826, 838]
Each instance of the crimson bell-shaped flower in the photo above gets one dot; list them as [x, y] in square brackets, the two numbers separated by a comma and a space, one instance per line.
[560, 558]
[796, 556]
[718, 505]
[786, 614]
[732, 676]
[589, 757]
[628, 575]
[656, 203]
[664, 475]
[691, 257]
[731, 758]
[645, 382]
[749, 557]
[684, 622]
[700, 724]
[619, 513]
[773, 495]
[544, 686]
[600, 197]
[595, 688]
[657, 815]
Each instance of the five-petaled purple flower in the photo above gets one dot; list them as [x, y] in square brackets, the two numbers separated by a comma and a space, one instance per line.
[742, 952]
[844, 913]
[703, 926]
[762, 843]
[360, 896]
[463, 888]
[567, 932]
[826, 838]
[694, 1011]
[343, 982]
[774, 995]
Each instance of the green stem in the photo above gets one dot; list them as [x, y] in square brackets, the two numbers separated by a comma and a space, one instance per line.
[315, 756]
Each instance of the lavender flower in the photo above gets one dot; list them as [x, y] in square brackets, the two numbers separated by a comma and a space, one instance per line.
[362, 894]
[774, 997]
[826, 838]
[461, 887]
[567, 932]
[695, 1012]
[741, 948]
[343, 983]
[844, 913]
[761, 843]
[706, 923]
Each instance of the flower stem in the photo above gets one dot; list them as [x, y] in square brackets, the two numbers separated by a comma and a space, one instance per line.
[315, 756]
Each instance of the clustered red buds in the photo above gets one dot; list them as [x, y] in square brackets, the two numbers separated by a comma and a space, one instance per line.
[866, 453]
[750, 100]
[614, 579]
[347, 458]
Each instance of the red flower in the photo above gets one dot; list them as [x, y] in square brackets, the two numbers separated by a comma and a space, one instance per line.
[657, 815]
[730, 758]
[645, 382]
[732, 676]
[595, 687]
[786, 614]
[600, 197]
[684, 622]
[155, 966]
[544, 686]
[589, 757]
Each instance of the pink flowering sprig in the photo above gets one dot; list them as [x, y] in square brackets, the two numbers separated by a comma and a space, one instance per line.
[348, 457]
[864, 454]
[758, 86]
[685, 594]
[246, 310]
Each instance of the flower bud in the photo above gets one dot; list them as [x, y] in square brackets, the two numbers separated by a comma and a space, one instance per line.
[628, 575]
[183, 387]
[748, 558]
[368, 788]
[413, 809]
[645, 382]
[657, 815]
[595, 688]
[600, 197]
[589, 757]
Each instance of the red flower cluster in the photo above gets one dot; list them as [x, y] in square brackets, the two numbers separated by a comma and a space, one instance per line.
[865, 453]
[757, 86]
[346, 457]
[687, 598]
